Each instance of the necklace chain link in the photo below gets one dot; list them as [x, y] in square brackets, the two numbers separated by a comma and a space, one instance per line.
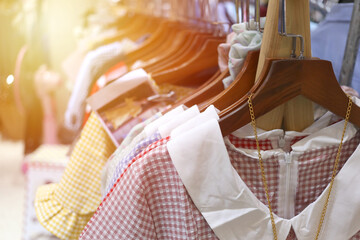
[336, 164]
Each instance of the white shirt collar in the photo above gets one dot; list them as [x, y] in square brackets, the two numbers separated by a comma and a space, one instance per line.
[153, 127]
[166, 128]
[247, 131]
[233, 211]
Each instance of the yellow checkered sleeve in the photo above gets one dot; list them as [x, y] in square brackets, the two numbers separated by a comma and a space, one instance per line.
[65, 208]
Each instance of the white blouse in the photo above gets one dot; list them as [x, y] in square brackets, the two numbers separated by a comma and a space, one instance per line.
[234, 212]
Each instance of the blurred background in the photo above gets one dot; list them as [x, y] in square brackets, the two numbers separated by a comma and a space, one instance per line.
[42, 44]
[37, 36]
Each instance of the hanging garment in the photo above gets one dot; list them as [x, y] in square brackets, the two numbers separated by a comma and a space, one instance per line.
[126, 157]
[223, 52]
[159, 128]
[95, 63]
[150, 200]
[136, 135]
[66, 207]
[210, 113]
[163, 131]
[124, 104]
[243, 42]
[127, 216]
[86, 200]
[115, 72]
[110, 165]
[328, 40]
[230, 205]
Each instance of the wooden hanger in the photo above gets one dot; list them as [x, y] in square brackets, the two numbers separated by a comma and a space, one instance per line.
[136, 27]
[189, 48]
[178, 46]
[283, 80]
[208, 90]
[214, 93]
[166, 40]
[148, 26]
[204, 59]
[298, 113]
[243, 82]
[194, 94]
[170, 58]
[165, 29]
[239, 87]
[183, 55]
[139, 22]
[163, 56]
[203, 63]
[172, 44]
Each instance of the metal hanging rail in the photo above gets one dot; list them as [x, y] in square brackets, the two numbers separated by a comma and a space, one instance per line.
[352, 47]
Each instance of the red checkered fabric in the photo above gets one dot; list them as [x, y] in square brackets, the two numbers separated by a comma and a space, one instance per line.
[150, 201]
[315, 170]
[292, 235]
[265, 144]
[250, 173]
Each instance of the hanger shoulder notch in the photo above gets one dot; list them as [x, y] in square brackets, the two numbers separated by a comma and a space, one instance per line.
[283, 80]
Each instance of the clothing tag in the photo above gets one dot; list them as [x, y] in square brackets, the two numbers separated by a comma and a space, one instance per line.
[123, 104]
[115, 91]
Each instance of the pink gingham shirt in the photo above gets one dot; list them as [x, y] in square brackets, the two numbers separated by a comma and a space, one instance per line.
[150, 201]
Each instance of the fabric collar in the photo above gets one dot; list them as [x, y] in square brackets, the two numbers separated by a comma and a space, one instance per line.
[227, 203]
[248, 133]
[209, 113]
[166, 128]
[153, 127]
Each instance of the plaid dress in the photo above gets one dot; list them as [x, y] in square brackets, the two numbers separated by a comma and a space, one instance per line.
[66, 207]
[150, 201]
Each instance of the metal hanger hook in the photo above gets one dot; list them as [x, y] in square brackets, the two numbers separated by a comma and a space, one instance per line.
[245, 15]
[283, 32]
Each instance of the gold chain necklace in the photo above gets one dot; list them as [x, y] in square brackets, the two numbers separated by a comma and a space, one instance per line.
[336, 164]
